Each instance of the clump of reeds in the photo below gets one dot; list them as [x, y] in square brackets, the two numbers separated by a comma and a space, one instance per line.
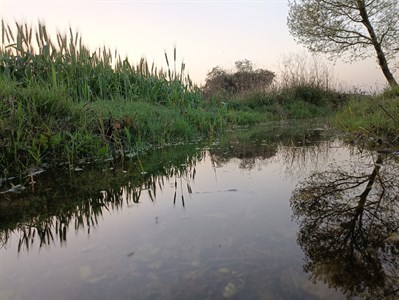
[28, 54]
[53, 95]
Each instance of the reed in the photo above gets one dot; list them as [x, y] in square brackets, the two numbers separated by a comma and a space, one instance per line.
[61, 102]
[41, 125]
[30, 54]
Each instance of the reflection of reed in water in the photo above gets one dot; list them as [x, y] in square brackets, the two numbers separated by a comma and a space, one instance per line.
[80, 199]
[258, 145]
[349, 221]
[299, 159]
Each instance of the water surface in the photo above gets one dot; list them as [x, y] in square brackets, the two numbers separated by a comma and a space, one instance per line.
[258, 214]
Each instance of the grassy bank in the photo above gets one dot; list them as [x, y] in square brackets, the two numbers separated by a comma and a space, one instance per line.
[61, 103]
[372, 120]
[303, 89]
[302, 101]
[40, 124]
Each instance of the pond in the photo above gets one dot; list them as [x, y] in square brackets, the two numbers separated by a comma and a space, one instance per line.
[260, 213]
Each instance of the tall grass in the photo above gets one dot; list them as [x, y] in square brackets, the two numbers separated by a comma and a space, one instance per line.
[61, 102]
[40, 125]
[303, 88]
[372, 119]
[30, 54]
[301, 69]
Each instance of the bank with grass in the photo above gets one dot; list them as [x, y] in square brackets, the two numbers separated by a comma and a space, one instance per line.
[41, 124]
[44, 125]
[371, 120]
[63, 105]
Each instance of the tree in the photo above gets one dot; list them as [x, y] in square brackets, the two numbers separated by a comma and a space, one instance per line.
[348, 227]
[358, 28]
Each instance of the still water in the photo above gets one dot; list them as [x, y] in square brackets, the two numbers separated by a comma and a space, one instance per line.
[258, 214]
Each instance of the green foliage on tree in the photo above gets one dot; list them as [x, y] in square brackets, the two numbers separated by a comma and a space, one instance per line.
[351, 29]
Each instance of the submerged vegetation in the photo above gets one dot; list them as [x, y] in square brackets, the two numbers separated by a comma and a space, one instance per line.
[61, 103]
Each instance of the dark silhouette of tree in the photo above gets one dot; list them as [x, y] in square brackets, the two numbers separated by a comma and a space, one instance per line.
[348, 228]
[360, 28]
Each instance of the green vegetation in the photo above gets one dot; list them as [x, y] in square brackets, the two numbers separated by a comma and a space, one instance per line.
[252, 96]
[373, 119]
[41, 124]
[354, 32]
[62, 104]
[282, 103]
[86, 75]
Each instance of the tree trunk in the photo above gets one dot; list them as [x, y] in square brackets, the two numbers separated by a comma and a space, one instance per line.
[382, 61]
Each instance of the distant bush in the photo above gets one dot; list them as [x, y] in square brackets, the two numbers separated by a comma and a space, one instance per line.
[245, 79]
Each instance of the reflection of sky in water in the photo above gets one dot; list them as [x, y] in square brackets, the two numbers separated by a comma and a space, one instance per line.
[234, 238]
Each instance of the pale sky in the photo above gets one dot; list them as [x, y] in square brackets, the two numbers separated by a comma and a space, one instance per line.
[206, 33]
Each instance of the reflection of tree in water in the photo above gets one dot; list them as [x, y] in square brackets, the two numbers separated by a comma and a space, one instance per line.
[79, 200]
[349, 222]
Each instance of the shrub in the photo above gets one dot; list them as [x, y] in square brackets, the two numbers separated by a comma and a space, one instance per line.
[244, 80]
